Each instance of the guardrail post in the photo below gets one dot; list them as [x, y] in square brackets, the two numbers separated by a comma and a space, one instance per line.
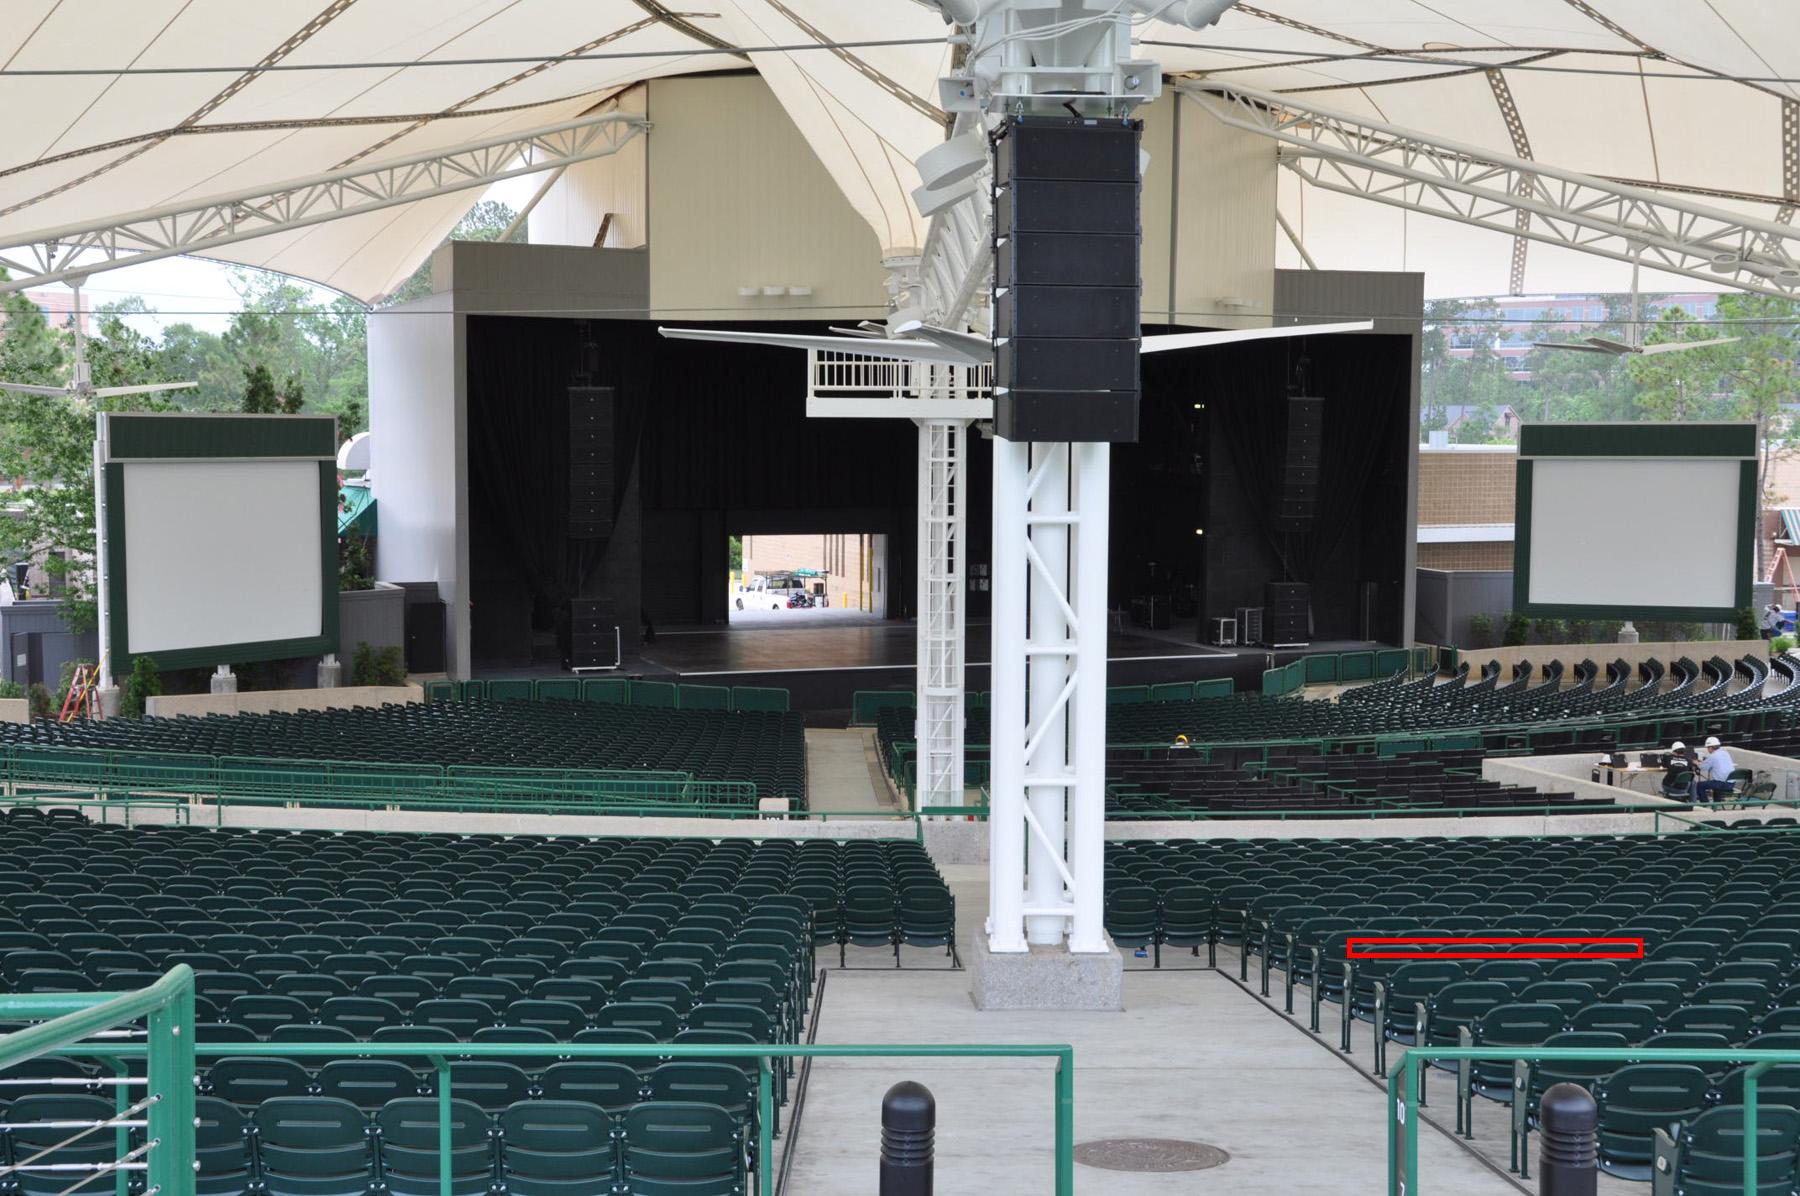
[908, 1120]
[1568, 1145]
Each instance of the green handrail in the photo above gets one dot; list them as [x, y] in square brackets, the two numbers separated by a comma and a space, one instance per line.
[1404, 1073]
[168, 1007]
[436, 1053]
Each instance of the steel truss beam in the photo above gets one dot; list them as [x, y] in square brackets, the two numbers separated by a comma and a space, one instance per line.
[1403, 168]
[202, 226]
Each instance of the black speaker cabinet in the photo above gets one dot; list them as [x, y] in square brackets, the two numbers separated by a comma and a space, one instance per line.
[593, 636]
[590, 462]
[1067, 242]
[1297, 501]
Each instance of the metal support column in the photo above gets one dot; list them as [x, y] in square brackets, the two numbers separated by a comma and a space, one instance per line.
[1048, 743]
[942, 611]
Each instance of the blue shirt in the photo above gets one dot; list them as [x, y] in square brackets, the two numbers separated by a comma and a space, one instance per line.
[1718, 765]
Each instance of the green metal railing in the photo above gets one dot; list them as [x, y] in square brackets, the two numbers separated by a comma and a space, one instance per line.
[168, 1100]
[612, 691]
[439, 1056]
[1404, 1077]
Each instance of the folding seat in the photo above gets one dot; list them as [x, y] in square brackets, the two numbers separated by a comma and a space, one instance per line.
[492, 991]
[52, 980]
[314, 1146]
[404, 990]
[247, 1081]
[561, 1019]
[367, 1083]
[1733, 1021]
[552, 1148]
[39, 1128]
[1510, 1025]
[1782, 1019]
[262, 1012]
[1567, 995]
[1532, 1079]
[224, 987]
[701, 955]
[659, 1021]
[1760, 972]
[1411, 985]
[1601, 973]
[14, 964]
[705, 1083]
[1661, 998]
[310, 987]
[490, 1084]
[614, 1087]
[677, 1147]
[462, 1017]
[516, 969]
[926, 917]
[310, 1032]
[672, 993]
[408, 1131]
[223, 1162]
[1515, 973]
[1442, 1017]
[434, 971]
[549, 951]
[355, 967]
[1705, 1157]
[362, 1016]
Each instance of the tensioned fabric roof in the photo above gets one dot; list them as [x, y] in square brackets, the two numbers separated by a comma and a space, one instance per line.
[1672, 94]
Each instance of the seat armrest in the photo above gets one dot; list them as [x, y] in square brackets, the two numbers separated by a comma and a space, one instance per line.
[1666, 1156]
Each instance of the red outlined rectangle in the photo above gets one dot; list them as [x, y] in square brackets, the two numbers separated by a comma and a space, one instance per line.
[1595, 948]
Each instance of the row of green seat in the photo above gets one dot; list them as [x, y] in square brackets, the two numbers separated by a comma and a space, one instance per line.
[617, 691]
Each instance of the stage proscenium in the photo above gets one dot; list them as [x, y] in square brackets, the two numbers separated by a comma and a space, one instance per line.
[218, 537]
[1635, 521]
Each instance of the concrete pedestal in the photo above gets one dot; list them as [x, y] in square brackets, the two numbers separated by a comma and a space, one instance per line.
[1046, 978]
[224, 682]
[331, 673]
[109, 701]
[1628, 634]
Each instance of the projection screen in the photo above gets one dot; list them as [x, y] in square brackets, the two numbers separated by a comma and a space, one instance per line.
[1635, 521]
[219, 538]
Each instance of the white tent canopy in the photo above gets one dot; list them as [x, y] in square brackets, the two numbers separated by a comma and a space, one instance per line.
[1679, 95]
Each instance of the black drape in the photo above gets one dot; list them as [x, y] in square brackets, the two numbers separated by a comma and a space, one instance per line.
[518, 431]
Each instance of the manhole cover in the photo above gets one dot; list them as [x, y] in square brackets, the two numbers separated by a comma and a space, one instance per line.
[1149, 1154]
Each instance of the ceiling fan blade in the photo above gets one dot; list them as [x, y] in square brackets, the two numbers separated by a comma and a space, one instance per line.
[51, 392]
[106, 392]
[1575, 346]
[1680, 346]
[894, 350]
[859, 333]
[1609, 346]
[1202, 340]
[978, 348]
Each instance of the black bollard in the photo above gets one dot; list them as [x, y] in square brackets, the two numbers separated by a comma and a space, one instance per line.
[908, 1117]
[1568, 1146]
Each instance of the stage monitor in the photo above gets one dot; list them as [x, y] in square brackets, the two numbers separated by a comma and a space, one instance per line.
[1635, 521]
[218, 535]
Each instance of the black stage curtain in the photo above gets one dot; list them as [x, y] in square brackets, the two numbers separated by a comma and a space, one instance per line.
[518, 435]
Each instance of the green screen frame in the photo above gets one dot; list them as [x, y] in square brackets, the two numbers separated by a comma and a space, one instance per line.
[1676, 441]
[133, 437]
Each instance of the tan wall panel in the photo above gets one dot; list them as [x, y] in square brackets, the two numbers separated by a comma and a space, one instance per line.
[1464, 487]
[1158, 205]
[571, 212]
[738, 199]
[1225, 238]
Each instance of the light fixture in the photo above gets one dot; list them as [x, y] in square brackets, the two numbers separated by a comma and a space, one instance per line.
[953, 161]
[749, 292]
[774, 292]
[1200, 13]
[1199, 531]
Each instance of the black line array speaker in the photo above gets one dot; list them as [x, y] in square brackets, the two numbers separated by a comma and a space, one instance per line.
[590, 462]
[1067, 240]
[1287, 613]
[593, 635]
[1299, 497]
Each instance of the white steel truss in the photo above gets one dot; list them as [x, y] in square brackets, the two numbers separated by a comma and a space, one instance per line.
[1047, 803]
[1354, 155]
[49, 255]
[943, 602]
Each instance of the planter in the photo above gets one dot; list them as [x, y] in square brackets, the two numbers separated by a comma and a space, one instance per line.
[376, 617]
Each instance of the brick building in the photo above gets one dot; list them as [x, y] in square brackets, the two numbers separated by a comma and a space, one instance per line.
[1466, 506]
[852, 566]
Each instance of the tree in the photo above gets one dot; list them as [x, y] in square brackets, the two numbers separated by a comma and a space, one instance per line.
[262, 397]
[484, 222]
[1680, 386]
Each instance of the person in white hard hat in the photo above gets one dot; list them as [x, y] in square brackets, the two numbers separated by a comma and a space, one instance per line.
[1680, 761]
[1715, 772]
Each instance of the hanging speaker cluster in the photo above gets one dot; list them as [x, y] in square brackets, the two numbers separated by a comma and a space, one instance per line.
[1067, 246]
[1299, 497]
[590, 462]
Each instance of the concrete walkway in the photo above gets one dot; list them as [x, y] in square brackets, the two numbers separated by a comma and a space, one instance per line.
[1192, 1057]
[842, 772]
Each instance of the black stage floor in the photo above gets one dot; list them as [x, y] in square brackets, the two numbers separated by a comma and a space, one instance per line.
[823, 665]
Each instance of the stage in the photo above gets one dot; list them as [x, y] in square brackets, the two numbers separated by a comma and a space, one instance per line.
[822, 664]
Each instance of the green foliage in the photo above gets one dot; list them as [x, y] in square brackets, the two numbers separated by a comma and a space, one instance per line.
[1581, 631]
[11, 689]
[43, 702]
[355, 569]
[144, 683]
[736, 549]
[1548, 631]
[1781, 643]
[1515, 630]
[377, 666]
[261, 397]
[1481, 630]
[1744, 627]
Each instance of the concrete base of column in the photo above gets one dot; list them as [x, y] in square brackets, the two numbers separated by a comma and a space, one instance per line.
[109, 701]
[224, 683]
[1046, 978]
[331, 673]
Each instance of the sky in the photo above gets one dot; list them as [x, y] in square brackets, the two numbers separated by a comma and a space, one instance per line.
[192, 291]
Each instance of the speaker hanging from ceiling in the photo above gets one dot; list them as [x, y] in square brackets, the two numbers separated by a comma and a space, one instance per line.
[1298, 498]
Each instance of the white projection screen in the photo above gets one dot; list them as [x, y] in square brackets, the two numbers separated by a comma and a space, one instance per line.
[183, 591]
[219, 538]
[1604, 509]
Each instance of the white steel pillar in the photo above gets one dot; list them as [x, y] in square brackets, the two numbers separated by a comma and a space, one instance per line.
[943, 604]
[1047, 812]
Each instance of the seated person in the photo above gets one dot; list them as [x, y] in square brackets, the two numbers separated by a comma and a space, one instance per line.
[1680, 764]
[1714, 774]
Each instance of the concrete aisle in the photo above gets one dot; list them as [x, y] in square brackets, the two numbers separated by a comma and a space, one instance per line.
[842, 771]
[1192, 1057]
